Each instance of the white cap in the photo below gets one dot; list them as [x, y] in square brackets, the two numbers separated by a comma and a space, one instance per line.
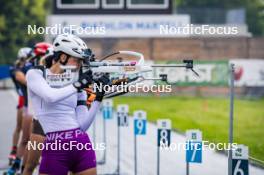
[23, 52]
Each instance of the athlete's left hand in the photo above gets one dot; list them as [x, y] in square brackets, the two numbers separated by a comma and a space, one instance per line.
[103, 81]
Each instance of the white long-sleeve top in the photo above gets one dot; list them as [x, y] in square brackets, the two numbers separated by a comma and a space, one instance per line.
[56, 108]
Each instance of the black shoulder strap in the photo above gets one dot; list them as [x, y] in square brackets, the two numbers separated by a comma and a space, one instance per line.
[42, 68]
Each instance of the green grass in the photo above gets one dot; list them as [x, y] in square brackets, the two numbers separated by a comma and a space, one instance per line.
[210, 115]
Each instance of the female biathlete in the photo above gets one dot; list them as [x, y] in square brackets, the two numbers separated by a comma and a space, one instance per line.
[62, 112]
[19, 74]
[22, 55]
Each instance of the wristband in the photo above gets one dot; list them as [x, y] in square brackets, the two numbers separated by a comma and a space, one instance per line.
[81, 102]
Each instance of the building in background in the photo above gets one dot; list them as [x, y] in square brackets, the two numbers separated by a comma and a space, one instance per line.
[150, 27]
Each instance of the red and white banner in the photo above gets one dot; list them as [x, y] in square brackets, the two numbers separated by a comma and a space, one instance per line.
[248, 72]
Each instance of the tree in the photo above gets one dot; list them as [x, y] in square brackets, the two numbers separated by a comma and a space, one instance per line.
[15, 16]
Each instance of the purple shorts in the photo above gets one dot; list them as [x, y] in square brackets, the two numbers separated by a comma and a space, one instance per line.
[65, 151]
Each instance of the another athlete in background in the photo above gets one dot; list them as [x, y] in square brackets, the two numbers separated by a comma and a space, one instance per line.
[22, 56]
[20, 76]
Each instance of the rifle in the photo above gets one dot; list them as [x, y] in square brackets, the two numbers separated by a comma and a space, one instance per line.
[126, 69]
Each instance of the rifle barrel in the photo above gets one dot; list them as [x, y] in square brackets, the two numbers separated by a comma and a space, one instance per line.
[168, 65]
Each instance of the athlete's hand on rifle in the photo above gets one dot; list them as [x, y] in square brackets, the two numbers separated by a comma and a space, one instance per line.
[84, 81]
[90, 96]
[101, 82]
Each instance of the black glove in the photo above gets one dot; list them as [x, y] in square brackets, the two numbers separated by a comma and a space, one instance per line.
[102, 81]
[84, 81]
